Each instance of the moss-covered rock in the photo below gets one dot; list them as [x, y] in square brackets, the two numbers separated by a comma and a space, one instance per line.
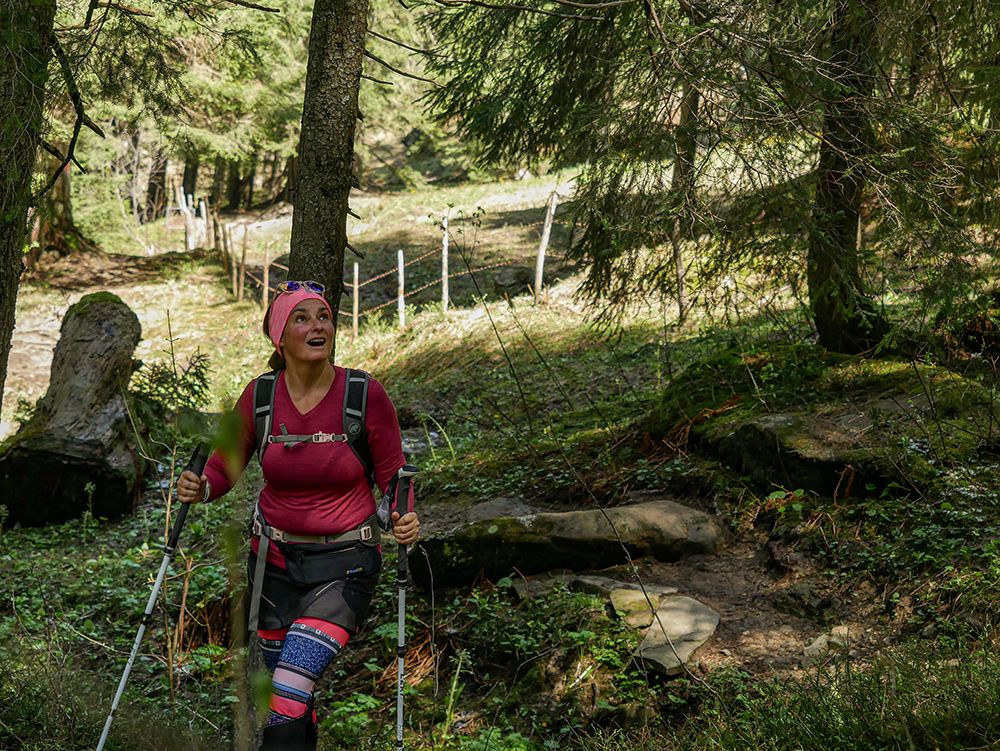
[798, 417]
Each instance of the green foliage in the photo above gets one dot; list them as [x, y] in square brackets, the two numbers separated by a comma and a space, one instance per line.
[167, 398]
[937, 701]
[721, 174]
[349, 722]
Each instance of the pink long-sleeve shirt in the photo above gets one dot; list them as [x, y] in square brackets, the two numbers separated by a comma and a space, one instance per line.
[313, 488]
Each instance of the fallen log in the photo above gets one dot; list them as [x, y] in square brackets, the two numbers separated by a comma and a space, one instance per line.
[76, 452]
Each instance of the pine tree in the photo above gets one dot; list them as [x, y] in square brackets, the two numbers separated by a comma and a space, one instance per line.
[798, 141]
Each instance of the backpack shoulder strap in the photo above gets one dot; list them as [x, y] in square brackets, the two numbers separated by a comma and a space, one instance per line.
[355, 406]
[263, 409]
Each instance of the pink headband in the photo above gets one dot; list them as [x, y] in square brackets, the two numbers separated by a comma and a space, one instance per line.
[283, 306]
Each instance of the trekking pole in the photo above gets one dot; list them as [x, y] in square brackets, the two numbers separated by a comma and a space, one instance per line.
[402, 492]
[196, 465]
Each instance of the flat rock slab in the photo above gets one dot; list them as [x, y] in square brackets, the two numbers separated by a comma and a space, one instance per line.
[636, 607]
[680, 627]
[575, 540]
[630, 600]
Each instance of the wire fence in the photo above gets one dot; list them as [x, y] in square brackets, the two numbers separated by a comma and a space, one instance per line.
[236, 267]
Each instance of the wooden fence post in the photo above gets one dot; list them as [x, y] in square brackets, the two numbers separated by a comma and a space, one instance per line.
[232, 259]
[243, 265]
[444, 267]
[209, 220]
[402, 303]
[546, 230]
[225, 246]
[266, 292]
[356, 302]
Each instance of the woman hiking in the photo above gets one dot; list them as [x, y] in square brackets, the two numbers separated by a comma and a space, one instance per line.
[316, 515]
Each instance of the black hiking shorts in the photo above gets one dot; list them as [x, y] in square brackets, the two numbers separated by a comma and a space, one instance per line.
[334, 583]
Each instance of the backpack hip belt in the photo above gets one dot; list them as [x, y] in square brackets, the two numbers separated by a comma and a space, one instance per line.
[368, 533]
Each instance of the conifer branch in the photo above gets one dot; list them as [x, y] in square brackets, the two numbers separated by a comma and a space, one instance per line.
[593, 6]
[126, 9]
[394, 69]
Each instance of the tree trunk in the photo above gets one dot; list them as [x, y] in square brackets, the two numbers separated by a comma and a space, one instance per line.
[190, 178]
[326, 144]
[24, 59]
[250, 178]
[55, 233]
[156, 189]
[291, 179]
[80, 432]
[845, 317]
[218, 181]
[234, 187]
[682, 186]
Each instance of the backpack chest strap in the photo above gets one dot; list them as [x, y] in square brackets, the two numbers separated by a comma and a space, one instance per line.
[295, 440]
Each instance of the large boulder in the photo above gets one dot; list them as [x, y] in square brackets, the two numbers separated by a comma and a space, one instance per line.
[576, 540]
[76, 452]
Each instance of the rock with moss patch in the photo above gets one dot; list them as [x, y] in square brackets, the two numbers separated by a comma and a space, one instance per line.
[797, 417]
[575, 540]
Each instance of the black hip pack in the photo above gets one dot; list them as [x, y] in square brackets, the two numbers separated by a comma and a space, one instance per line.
[309, 564]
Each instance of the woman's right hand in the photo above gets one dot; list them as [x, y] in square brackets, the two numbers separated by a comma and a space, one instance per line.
[191, 488]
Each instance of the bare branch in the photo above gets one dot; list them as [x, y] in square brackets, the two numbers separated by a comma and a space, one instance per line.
[59, 155]
[478, 3]
[404, 46]
[253, 6]
[355, 251]
[383, 63]
[376, 80]
[81, 116]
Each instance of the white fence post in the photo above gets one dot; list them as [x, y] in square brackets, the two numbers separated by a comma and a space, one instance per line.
[444, 267]
[402, 302]
[357, 301]
[546, 230]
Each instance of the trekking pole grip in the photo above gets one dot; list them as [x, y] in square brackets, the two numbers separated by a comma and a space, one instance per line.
[405, 474]
[196, 465]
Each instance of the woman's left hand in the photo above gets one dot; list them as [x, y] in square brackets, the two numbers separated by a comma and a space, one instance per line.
[406, 529]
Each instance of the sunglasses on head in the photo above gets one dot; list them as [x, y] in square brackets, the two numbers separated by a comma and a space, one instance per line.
[296, 286]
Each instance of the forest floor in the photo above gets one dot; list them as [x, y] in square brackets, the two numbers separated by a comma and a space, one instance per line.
[766, 620]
